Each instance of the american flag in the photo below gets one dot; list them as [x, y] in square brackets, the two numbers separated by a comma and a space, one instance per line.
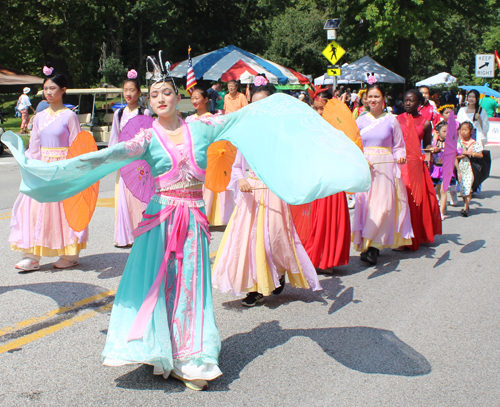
[190, 77]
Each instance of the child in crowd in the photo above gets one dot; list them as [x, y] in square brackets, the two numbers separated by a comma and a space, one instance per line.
[470, 148]
[437, 150]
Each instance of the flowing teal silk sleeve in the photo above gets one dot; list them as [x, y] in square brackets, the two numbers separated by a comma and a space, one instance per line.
[293, 150]
[53, 182]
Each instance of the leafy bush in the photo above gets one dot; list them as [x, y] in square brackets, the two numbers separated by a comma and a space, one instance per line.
[113, 71]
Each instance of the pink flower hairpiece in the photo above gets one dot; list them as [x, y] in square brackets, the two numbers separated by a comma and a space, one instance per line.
[132, 74]
[47, 71]
[260, 81]
[371, 79]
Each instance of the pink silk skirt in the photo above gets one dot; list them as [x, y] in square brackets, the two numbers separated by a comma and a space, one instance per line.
[42, 228]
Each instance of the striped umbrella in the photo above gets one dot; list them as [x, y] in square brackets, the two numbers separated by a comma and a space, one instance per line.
[234, 63]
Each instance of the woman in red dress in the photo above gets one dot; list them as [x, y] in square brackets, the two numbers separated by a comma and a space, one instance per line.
[426, 217]
[324, 225]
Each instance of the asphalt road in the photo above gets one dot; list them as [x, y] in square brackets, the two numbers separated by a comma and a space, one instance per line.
[419, 329]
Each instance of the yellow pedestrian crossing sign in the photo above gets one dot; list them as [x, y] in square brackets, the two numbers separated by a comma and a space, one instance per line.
[333, 72]
[333, 52]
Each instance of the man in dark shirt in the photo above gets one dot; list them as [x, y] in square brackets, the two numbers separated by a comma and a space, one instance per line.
[213, 95]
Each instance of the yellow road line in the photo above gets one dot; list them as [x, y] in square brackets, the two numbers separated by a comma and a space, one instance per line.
[213, 254]
[5, 217]
[7, 213]
[54, 328]
[106, 202]
[50, 314]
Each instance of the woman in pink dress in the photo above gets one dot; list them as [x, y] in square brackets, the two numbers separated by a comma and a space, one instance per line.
[381, 215]
[219, 206]
[128, 209]
[260, 245]
[41, 229]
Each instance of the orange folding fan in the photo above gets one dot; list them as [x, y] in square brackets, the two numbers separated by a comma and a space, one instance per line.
[339, 116]
[80, 207]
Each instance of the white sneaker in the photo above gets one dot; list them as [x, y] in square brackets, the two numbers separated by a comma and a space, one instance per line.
[453, 198]
[28, 265]
[64, 264]
[350, 203]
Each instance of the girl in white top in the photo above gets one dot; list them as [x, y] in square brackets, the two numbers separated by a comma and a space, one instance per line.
[476, 115]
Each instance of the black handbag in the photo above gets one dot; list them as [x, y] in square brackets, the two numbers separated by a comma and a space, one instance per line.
[480, 168]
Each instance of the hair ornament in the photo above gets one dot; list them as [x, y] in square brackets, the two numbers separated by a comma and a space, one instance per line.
[371, 79]
[442, 107]
[132, 74]
[260, 81]
[47, 71]
[159, 71]
[313, 94]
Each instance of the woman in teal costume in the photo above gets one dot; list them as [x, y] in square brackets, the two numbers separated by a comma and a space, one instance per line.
[163, 312]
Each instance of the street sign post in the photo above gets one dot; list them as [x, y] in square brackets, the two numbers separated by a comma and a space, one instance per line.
[333, 72]
[485, 65]
[333, 52]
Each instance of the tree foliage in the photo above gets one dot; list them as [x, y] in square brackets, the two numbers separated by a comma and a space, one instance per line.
[415, 38]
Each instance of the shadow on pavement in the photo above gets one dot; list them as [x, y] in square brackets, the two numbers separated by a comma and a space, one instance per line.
[473, 246]
[364, 349]
[332, 290]
[143, 378]
[59, 291]
[108, 265]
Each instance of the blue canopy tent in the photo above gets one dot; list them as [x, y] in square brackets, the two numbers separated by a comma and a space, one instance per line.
[484, 90]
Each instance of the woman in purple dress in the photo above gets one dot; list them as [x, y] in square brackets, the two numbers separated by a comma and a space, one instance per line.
[381, 216]
[129, 209]
[41, 229]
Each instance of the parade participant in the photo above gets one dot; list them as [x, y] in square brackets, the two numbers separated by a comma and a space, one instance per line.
[218, 206]
[199, 99]
[163, 312]
[22, 105]
[363, 106]
[327, 238]
[428, 107]
[476, 115]
[469, 148]
[260, 245]
[444, 111]
[425, 218]
[41, 229]
[129, 209]
[437, 150]
[234, 100]
[381, 215]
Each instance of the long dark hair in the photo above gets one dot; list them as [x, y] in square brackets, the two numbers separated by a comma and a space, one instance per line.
[476, 94]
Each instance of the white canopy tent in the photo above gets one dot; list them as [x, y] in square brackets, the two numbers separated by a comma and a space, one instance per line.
[357, 72]
[443, 78]
[328, 80]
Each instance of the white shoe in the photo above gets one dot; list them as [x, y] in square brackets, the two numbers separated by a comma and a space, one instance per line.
[28, 265]
[64, 264]
[453, 199]
[350, 203]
